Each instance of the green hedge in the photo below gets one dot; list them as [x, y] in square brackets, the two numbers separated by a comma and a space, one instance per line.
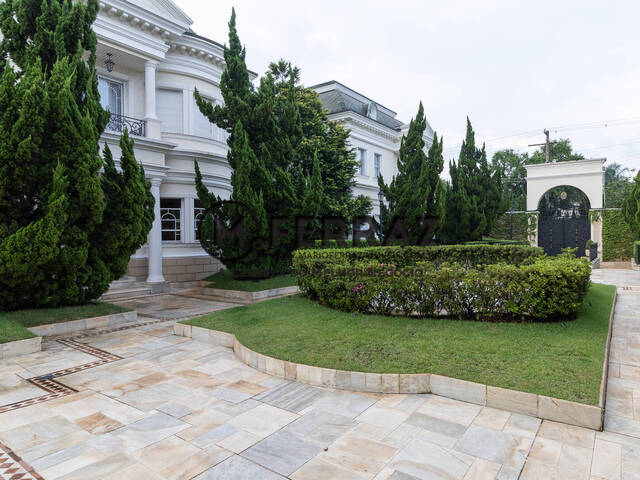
[522, 287]
[511, 226]
[617, 239]
[405, 256]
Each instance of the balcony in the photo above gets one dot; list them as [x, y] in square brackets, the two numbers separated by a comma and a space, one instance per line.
[136, 126]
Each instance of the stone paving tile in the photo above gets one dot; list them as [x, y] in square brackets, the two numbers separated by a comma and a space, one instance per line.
[316, 469]
[425, 460]
[235, 468]
[98, 423]
[173, 408]
[358, 454]
[150, 430]
[172, 307]
[283, 452]
[195, 464]
[263, 420]
[321, 428]
[238, 442]
[348, 404]
[165, 454]
[495, 446]
[291, 396]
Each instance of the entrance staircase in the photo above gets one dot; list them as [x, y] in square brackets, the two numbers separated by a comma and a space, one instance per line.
[126, 288]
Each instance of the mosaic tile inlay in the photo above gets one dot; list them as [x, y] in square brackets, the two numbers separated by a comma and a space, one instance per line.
[13, 467]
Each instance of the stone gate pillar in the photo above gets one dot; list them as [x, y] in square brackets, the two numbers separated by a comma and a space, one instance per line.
[595, 218]
[532, 230]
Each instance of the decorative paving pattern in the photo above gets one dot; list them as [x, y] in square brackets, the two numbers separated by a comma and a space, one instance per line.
[173, 306]
[13, 467]
[171, 408]
[96, 332]
[57, 389]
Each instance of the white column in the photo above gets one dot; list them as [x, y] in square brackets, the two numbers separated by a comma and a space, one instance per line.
[153, 125]
[154, 240]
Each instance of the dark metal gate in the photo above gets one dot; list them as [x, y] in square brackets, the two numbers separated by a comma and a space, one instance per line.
[556, 233]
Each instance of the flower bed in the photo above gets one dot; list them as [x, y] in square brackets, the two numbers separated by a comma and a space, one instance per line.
[485, 282]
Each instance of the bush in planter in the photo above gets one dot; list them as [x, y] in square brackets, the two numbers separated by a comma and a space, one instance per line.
[537, 288]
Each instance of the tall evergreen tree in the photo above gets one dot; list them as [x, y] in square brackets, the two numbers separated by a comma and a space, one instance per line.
[128, 213]
[312, 197]
[474, 198]
[415, 192]
[52, 117]
[282, 129]
[631, 208]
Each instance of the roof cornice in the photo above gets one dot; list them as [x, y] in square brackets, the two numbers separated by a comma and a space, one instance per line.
[143, 20]
[194, 47]
[366, 124]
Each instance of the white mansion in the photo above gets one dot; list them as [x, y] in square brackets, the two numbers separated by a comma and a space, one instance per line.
[149, 63]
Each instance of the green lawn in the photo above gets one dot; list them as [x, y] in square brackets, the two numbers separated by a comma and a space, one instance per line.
[562, 360]
[13, 325]
[225, 281]
[11, 331]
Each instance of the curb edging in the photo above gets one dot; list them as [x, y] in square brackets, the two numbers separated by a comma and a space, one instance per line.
[20, 347]
[240, 296]
[33, 345]
[64, 328]
[541, 406]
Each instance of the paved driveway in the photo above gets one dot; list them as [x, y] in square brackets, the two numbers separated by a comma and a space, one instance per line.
[141, 403]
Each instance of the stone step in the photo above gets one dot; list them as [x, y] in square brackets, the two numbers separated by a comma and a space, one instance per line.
[141, 290]
[121, 283]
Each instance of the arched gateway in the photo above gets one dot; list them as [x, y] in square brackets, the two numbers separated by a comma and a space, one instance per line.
[577, 187]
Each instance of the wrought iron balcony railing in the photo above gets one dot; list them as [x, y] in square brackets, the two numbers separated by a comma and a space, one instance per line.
[117, 123]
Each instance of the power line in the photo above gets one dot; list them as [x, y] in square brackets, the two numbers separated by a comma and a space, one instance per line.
[608, 146]
[562, 128]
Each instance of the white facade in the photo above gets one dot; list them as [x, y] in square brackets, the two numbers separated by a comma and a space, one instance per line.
[158, 61]
[375, 133]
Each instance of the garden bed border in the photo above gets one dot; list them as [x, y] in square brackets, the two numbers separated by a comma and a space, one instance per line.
[20, 347]
[33, 345]
[242, 297]
[540, 406]
[64, 328]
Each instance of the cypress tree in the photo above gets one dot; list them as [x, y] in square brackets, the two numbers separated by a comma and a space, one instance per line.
[465, 219]
[51, 108]
[415, 192]
[283, 130]
[128, 212]
[474, 198]
[313, 197]
[631, 208]
[25, 253]
[493, 202]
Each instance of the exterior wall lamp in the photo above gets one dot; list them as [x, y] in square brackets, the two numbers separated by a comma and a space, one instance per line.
[109, 63]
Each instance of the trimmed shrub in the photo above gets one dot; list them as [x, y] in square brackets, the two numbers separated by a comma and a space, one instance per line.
[617, 238]
[405, 256]
[512, 287]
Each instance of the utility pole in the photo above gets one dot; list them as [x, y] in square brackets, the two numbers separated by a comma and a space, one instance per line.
[547, 143]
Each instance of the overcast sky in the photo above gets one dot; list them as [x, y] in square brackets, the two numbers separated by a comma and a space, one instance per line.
[512, 66]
